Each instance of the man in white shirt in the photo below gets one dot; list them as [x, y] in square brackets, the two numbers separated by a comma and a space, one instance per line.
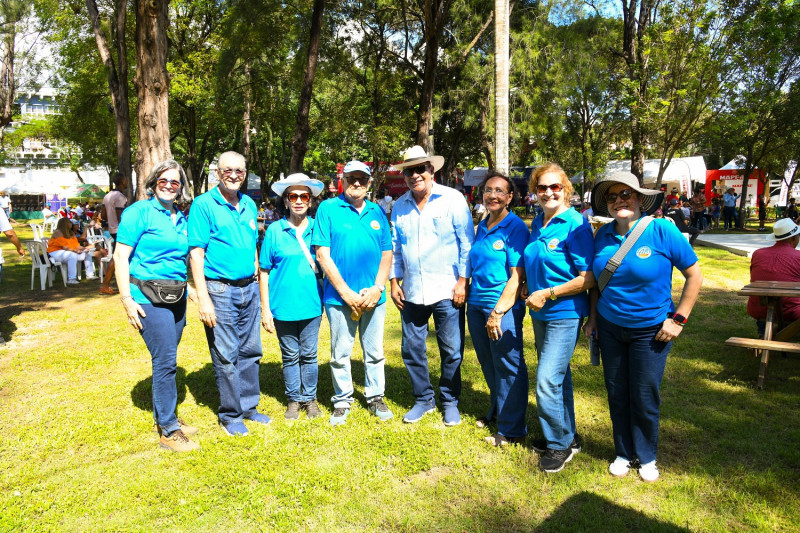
[386, 204]
[5, 204]
[432, 234]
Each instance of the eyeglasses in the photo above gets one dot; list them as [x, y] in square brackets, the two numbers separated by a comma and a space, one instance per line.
[229, 171]
[410, 171]
[624, 194]
[164, 182]
[555, 187]
[304, 196]
[361, 180]
[496, 192]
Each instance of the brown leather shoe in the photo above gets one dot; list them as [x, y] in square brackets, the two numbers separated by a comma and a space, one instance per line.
[178, 442]
[107, 290]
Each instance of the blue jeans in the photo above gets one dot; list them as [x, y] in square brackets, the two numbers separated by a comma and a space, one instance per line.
[298, 340]
[235, 345]
[555, 343]
[729, 214]
[343, 336]
[503, 365]
[449, 323]
[161, 331]
[633, 365]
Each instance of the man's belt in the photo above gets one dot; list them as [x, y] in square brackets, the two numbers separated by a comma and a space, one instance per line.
[244, 282]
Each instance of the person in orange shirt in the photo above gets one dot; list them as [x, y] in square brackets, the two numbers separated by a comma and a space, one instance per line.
[64, 248]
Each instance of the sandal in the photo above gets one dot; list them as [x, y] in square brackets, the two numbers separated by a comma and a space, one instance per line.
[499, 440]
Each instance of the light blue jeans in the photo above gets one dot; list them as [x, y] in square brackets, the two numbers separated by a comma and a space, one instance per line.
[555, 342]
[343, 336]
[298, 340]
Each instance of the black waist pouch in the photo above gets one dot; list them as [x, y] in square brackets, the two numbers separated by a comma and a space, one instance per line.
[161, 291]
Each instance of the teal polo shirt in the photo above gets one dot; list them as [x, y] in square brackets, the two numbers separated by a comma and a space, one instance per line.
[228, 235]
[555, 255]
[294, 293]
[160, 246]
[356, 241]
[492, 256]
[639, 294]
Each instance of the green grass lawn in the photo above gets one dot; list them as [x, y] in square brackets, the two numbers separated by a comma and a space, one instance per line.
[77, 452]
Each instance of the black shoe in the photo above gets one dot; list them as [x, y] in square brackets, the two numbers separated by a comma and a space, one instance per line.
[292, 411]
[554, 460]
[540, 445]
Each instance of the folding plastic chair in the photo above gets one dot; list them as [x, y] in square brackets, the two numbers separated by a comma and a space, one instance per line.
[38, 231]
[40, 262]
[53, 263]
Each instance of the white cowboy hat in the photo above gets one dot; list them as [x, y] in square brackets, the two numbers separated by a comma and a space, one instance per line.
[297, 179]
[416, 156]
[783, 229]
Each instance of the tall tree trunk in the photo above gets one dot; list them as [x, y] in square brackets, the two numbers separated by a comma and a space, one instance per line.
[501, 74]
[7, 82]
[300, 138]
[486, 145]
[435, 13]
[117, 77]
[248, 104]
[152, 88]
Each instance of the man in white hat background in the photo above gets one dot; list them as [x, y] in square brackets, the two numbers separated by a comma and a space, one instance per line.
[779, 262]
[354, 249]
[432, 233]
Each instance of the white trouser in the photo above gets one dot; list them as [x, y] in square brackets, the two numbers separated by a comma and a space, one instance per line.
[71, 259]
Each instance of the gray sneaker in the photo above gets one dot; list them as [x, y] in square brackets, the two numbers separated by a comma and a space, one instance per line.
[312, 409]
[292, 411]
[379, 408]
[339, 416]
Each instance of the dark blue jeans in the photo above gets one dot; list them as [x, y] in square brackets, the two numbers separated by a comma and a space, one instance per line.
[449, 323]
[298, 340]
[235, 346]
[161, 331]
[633, 365]
[503, 365]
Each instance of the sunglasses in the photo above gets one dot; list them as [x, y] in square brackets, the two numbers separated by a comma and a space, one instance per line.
[555, 187]
[624, 194]
[228, 171]
[361, 180]
[410, 171]
[163, 182]
[304, 196]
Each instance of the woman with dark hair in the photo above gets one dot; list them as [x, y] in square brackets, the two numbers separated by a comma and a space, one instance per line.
[150, 255]
[290, 284]
[65, 248]
[558, 264]
[633, 316]
[494, 312]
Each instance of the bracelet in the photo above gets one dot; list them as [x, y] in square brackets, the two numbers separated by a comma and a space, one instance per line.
[123, 298]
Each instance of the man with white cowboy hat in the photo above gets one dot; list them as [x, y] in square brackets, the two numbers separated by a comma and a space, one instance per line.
[354, 249]
[432, 234]
[779, 262]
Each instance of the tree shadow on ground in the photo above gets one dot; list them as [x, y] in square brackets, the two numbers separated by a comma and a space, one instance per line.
[142, 392]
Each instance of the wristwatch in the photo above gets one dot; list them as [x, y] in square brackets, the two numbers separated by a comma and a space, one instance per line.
[498, 312]
[382, 289]
[679, 319]
[552, 294]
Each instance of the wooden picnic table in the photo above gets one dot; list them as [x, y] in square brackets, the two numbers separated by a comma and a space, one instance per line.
[769, 294]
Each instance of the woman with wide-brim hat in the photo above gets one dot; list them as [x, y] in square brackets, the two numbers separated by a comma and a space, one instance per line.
[291, 303]
[634, 318]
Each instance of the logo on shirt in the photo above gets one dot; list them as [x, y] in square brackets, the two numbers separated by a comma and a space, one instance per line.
[375, 225]
[644, 252]
[252, 224]
[498, 244]
[185, 233]
[553, 244]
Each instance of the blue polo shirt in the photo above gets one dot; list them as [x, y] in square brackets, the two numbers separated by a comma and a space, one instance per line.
[160, 246]
[356, 241]
[555, 255]
[228, 235]
[640, 292]
[294, 293]
[492, 256]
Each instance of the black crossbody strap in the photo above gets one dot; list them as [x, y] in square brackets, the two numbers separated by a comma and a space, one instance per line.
[616, 259]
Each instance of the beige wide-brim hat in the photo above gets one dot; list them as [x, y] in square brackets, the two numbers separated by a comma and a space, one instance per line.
[416, 156]
[783, 229]
[296, 180]
[650, 200]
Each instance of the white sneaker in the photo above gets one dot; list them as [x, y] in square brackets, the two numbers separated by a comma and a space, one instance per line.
[73, 281]
[91, 277]
[648, 472]
[620, 467]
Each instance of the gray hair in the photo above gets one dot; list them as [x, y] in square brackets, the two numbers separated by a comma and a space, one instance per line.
[232, 154]
[168, 164]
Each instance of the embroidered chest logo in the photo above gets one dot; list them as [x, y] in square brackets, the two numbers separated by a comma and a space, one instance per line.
[553, 244]
[252, 224]
[644, 252]
[375, 225]
[498, 244]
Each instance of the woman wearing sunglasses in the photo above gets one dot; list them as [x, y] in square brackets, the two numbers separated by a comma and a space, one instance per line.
[290, 284]
[494, 313]
[558, 268]
[634, 318]
[152, 245]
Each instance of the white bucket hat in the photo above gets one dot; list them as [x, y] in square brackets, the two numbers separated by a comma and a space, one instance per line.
[297, 179]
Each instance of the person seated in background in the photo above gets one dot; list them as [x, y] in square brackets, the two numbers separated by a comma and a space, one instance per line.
[779, 262]
[791, 210]
[48, 215]
[64, 248]
[679, 217]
